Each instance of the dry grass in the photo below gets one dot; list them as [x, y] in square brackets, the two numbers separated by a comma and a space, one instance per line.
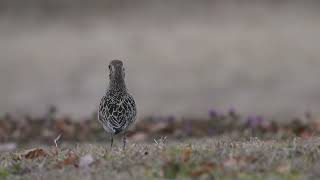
[208, 158]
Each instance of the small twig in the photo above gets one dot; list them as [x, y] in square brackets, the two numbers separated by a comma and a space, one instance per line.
[161, 140]
[155, 141]
[56, 140]
[164, 139]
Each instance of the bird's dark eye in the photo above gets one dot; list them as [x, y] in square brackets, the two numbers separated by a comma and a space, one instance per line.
[109, 67]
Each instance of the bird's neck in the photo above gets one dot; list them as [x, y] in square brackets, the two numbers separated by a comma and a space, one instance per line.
[117, 84]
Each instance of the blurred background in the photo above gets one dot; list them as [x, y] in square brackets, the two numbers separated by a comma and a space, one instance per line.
[182, 57]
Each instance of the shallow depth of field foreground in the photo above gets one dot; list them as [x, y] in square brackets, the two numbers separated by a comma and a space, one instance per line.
[206, 158]
[221, 146]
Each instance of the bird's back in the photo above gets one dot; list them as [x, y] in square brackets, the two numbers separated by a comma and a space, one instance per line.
[117, 111]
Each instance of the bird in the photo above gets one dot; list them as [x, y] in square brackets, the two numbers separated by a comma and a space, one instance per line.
[117, 109]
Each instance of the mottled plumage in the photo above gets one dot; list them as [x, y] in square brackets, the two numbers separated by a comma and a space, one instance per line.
[117, 110]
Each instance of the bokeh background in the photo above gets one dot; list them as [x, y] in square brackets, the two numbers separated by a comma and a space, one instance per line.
[181, 57]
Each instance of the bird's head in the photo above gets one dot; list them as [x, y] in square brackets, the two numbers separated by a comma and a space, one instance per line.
[116, 69]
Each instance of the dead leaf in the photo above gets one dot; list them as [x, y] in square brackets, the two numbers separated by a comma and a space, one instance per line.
[33, 153]
[186, 154]
[72, 159]
[205, 168]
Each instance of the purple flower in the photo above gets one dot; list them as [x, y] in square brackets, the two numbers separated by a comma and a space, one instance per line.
[213, 113]
[259, 120]
[233, 113]
[254, 122]
[249, 121]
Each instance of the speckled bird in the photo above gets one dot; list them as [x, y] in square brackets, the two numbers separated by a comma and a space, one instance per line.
[117, 110]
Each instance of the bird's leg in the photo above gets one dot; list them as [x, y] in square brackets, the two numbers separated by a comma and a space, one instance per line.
[124, 141]
[111, 140]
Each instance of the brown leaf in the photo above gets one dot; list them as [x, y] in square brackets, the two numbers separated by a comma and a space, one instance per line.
[34, 153]
[205, 168]
[186, 154]
[72, 159]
